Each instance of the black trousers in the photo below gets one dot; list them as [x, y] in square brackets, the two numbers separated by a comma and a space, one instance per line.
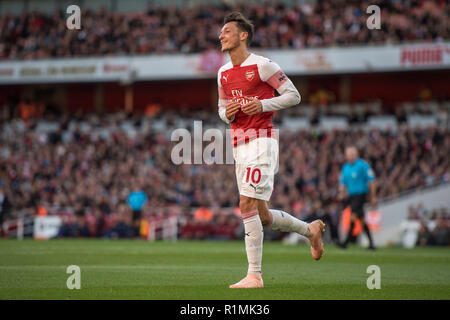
[356, 203]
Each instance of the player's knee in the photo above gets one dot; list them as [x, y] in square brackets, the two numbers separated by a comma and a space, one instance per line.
[247, 204]
[265, 221]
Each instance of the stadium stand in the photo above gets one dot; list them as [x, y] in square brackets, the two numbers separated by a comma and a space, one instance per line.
[83, 166]
[83, 169]
[168, 29]
[425, 227]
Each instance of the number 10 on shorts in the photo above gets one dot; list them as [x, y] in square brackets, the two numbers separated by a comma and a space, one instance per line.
[254, 175]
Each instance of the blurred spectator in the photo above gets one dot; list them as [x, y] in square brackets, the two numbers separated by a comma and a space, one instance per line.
[78, 228]
[203, 214]
[167, 29]
[203, 230]
[123, 227]
[425, 238]
[81, 228]
[441, 232]
[96, 161]
[331, 219]
[225, 227]
[31, 109]
[434, 225]
[188, 229]
[4, 206]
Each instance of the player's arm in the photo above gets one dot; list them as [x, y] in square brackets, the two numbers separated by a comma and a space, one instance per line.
[373, 192]
[342, 189]
[271, 73]
[227, 110]
[277, 79]
[370, 176]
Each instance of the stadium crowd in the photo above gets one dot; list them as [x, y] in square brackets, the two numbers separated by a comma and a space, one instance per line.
[100, 174]
[35, 35]
[434, 224]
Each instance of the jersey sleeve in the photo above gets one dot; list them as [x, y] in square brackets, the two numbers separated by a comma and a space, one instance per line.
[222, 100]
[271, 73]
[342, 177]
[370, 175]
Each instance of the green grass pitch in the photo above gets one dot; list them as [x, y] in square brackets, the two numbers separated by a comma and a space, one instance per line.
[137, 269]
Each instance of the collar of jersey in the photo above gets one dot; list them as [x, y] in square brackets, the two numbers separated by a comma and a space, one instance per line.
[239, 65]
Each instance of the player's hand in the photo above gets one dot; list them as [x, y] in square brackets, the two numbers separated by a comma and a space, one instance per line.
[373, 201]
[232, 108]
[254, 106]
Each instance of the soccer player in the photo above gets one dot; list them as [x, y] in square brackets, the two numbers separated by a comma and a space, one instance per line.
[247, 101]
[357, 178]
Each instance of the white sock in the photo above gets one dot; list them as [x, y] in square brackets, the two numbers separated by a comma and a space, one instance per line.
[284, 222]
[253, 241]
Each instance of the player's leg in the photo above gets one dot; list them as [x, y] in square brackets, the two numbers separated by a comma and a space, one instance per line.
[254, 235]
[357, 212]
[280, 220]
[136, 222]
[253, 229]
[259, 182]
[283, 221]
[367, 231]
[263, 181]
[362, 219]
[353, 217]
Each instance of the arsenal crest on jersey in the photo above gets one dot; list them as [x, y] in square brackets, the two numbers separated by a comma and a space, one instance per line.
[250, 74]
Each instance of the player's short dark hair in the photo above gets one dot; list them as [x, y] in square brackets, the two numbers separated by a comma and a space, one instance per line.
[243, 24]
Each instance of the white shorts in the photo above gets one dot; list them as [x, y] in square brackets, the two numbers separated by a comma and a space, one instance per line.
[256, 163]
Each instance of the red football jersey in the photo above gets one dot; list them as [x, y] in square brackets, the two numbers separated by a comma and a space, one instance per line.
[257, 77]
